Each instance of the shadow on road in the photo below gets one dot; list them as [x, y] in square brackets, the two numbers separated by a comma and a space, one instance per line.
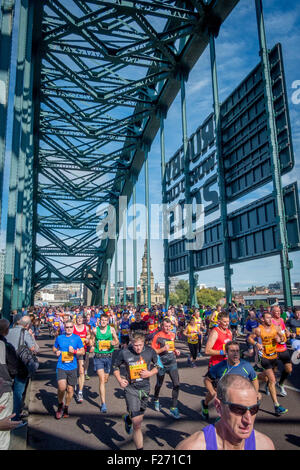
[191, 389]
[49, 401]
[101, 428]
[170, 436]
[295, 440]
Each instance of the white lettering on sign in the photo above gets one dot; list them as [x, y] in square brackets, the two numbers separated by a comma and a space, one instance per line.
[296, 94]
[202, 169]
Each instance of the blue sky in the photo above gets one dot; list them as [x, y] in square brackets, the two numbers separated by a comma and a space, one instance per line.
[237, 55]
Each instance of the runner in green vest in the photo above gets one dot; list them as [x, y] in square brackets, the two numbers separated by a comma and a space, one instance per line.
[104, 342]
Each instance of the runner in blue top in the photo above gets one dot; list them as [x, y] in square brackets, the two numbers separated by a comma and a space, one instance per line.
[232, 365]
[124, 329]
[66, 347]
[50, 320]
[251, 324]
[233, 321]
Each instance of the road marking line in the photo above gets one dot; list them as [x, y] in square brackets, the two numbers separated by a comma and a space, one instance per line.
[292, 388]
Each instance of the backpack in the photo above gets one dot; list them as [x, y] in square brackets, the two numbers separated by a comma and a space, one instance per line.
[11, 360]
[28, 362]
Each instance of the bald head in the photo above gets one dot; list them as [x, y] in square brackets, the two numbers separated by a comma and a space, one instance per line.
[25, 321]
[4, 327]
[232, 381]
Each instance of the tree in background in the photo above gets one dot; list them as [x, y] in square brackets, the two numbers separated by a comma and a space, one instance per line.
[209, 296]
[258, 303]
[204, 296]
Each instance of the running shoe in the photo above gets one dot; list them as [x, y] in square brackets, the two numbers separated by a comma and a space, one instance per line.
[66, 412]
[204, 411]
[80, 397]
[175, 413]
[156, 405]
[283, 392]
[193, 365]
[128, 426]
[103, 408]
[280, 410]
[60, 411]
[87, 377]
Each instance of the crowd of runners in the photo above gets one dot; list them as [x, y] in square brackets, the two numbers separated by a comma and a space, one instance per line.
[244, 347]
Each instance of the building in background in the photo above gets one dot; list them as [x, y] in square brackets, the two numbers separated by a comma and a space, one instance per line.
[157, 294]
[60, 294]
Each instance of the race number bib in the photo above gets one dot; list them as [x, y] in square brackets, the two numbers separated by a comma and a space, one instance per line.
[136, 369]
[298, 331]
[66, 356]
[171, 345]
[270, 349]
[104, 345]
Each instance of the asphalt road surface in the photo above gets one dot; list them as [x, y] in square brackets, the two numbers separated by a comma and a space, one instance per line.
[88, 429]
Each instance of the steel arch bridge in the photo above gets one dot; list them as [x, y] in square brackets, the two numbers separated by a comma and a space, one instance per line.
[94, 80]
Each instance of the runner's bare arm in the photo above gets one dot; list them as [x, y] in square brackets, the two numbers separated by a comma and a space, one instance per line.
[209, 345]
[115, 341]
[252, 340]
[194, 442]
[263, 442]
[209, 385]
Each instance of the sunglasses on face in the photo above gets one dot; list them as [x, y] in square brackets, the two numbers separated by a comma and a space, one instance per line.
[240, 410]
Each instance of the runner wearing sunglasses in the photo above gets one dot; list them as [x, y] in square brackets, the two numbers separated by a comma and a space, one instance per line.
[232, 365]
[66, 347]
[237, 406]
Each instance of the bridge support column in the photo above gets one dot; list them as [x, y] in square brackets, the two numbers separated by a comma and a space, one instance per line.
[134, 258]
[275, 162]
[147, 227]
[188, 201]
[165, 217]
[221, 173]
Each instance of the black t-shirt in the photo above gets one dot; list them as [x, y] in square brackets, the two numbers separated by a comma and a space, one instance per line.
[294, 325]
[138, 326]
[134, 363]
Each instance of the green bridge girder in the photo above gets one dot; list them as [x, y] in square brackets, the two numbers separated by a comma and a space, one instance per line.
[94, 80]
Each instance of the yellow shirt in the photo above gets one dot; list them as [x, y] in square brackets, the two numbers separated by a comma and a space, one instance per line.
[192, 332]
[214, 319]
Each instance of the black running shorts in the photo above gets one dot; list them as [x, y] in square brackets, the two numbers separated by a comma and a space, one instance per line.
[69, 375]
[136, 400]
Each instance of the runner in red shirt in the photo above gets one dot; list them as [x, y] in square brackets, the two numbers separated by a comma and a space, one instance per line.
[215, 348]
[145, 314]
[83, 332]
[219, 336]
[164, 345]
[152, 324]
